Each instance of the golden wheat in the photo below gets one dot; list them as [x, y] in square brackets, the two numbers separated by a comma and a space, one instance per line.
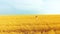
[40, 24]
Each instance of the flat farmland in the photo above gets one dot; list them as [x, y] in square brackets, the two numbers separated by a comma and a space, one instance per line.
[30, 24]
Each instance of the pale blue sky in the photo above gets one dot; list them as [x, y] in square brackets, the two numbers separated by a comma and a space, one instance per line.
[29, 6]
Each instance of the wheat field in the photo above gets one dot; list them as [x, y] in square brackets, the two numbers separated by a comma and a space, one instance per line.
[30, 24]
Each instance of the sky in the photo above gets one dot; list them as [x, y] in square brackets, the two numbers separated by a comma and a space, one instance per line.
[29, 6]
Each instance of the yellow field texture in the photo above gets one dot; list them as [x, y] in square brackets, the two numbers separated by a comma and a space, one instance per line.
[32, 24]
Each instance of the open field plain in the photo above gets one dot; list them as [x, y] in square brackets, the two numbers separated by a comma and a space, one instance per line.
[30, 24]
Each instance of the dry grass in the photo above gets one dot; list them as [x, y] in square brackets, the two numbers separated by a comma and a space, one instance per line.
[40, 24]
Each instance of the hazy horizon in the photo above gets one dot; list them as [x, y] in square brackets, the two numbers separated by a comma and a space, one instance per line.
[29, 7]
